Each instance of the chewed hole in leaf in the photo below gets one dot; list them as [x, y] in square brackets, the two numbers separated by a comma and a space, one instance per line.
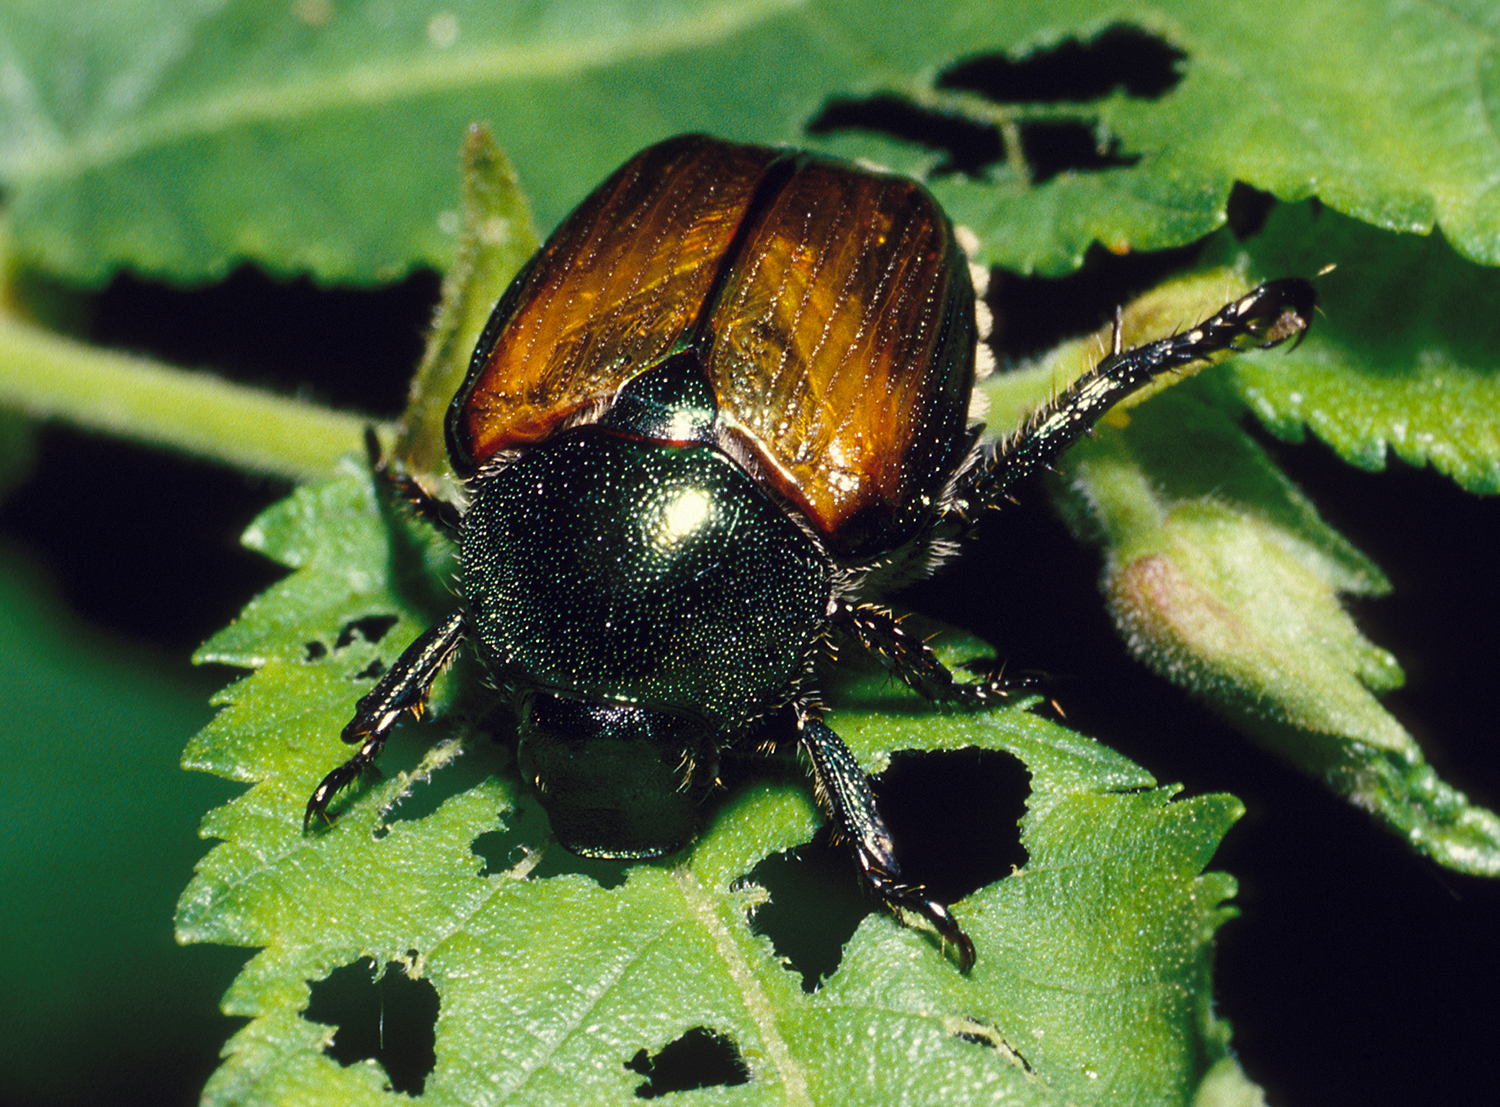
[954, 817]
[1248, 209]
[981, 1033]
[372, 628]
[513, 847]
[1039, 312]
[968, 146]
[506, 852]
[816, 904]
[605, 872]
[701, 1058]
[443, 768]
[1133, 60]
[390, 1019]
[432, 759]
[1125, 58]
[525, 847]
[1063, 146]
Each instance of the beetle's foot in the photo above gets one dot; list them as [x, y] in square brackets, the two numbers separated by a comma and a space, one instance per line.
[347, 773]
[997, 685]
[914, 898]
[402, 689]
[317, 803]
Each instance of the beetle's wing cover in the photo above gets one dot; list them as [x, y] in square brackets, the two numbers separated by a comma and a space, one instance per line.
[843, 351]
[614, 289]
[831, 305]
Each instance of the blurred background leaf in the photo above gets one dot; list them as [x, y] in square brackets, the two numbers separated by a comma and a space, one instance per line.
[180, 138]
[96, 841]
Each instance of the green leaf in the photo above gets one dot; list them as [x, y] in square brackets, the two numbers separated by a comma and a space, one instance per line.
[1405, 357]
[1092, 983]
[318, 136]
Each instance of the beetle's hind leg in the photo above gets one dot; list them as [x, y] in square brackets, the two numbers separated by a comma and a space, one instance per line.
[1266, 316]
[910, 659]
[403, 688]
[844, 790]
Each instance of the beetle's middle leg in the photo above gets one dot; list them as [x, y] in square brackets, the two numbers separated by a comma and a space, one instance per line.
[912, 660]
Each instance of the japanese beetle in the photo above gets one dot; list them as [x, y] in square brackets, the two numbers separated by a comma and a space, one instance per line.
[722, 410]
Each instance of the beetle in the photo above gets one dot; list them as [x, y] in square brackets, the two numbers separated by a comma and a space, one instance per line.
[721, 412]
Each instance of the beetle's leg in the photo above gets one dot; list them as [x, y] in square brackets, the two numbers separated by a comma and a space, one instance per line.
[843, 789]
[403, 688]
[913, 661]
[440, 513]
[1265, 316]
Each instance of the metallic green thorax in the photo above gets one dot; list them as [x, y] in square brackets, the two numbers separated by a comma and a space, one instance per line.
[648, 601]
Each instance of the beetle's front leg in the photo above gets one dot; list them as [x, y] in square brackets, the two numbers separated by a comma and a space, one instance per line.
[843, 789]
[403, 688]
[405, 489]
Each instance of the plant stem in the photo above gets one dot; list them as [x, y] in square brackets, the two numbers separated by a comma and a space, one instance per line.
[49, 376]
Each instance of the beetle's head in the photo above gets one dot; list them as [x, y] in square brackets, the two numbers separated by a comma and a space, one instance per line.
[616, 781]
